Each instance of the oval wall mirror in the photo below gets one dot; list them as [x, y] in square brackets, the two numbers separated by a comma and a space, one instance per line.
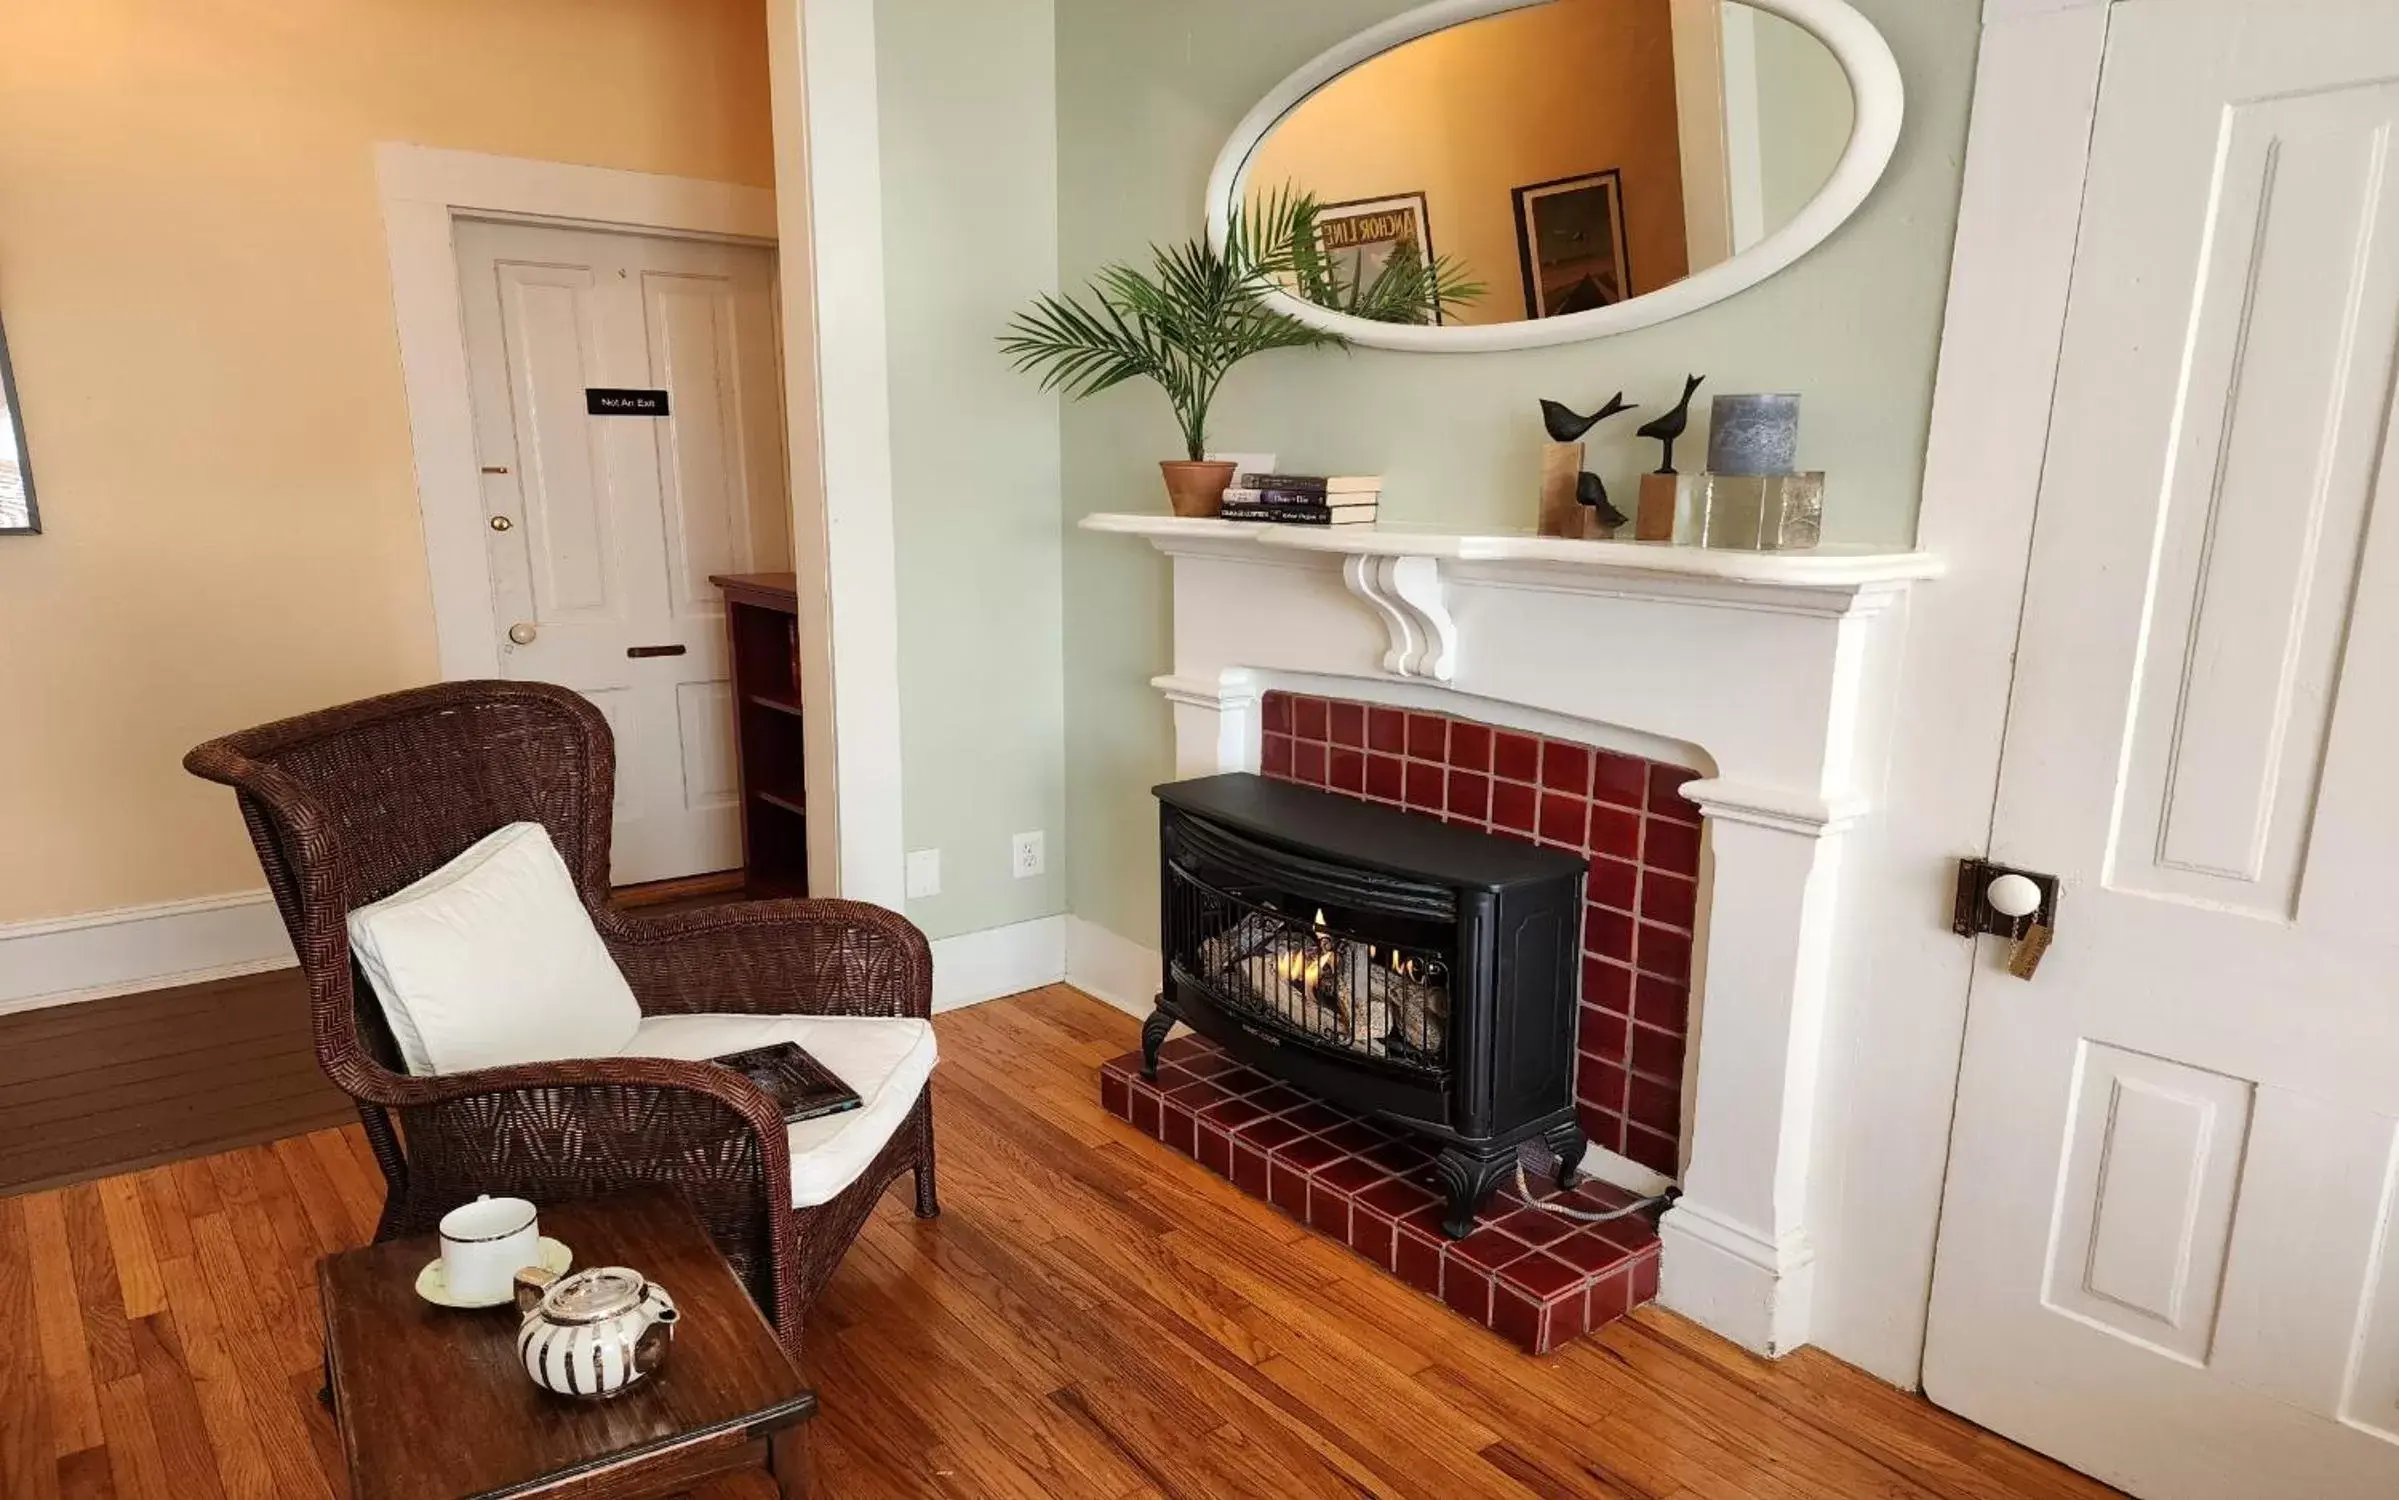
[1507, 174]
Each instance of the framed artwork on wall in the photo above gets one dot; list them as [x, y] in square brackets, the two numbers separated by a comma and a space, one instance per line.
[1570, 238]
[1361, 236]
[18, 516]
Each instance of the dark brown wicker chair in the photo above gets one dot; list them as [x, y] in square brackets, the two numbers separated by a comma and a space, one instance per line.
[351, 804]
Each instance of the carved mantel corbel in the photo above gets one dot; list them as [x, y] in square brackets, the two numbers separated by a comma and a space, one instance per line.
[1407, 592]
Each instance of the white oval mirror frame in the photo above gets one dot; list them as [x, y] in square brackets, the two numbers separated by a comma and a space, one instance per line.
[1878, 97]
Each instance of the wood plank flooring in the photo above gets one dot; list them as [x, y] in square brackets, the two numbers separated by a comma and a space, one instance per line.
[105, 1085]
[1092, 1315]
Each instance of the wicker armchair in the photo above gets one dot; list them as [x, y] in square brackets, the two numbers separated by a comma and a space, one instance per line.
[351, 804]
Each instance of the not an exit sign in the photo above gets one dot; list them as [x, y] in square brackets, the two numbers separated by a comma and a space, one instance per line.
[613, 401]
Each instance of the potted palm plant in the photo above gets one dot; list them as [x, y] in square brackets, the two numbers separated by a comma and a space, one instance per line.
[1193, 314]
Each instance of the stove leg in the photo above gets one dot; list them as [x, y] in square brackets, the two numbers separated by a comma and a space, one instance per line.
[1153, 1036]
[1467, 1180]
[1567, 1143]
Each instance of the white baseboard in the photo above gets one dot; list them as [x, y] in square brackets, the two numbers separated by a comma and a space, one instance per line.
[103, 953]
[1111, 968]
[977, 966]
[1733, 1281]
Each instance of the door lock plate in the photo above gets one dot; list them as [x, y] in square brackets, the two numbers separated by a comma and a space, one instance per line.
[1974, 914]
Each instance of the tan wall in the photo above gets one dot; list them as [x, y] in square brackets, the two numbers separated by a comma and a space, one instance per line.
[193, 279]
[1467, 116]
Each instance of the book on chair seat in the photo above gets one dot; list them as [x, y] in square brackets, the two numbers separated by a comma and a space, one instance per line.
[801, 1087]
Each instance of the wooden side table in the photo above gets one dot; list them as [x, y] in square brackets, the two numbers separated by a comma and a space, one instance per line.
[432, 1404]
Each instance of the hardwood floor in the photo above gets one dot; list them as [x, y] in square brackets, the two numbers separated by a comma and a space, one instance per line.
[1092, 1315]
[105, 1085]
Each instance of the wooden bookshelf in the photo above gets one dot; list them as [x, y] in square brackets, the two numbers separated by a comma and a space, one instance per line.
[762, 624]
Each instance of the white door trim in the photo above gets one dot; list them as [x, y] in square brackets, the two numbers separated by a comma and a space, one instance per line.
[424, 192]
[840, 484]
[1888, 1093]
[829, 181]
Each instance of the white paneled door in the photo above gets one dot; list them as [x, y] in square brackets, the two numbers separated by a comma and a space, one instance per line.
[606, 519]
[2169, 1250]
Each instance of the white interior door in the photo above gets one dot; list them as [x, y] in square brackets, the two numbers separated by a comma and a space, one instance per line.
[2169, 1250]
[605, 528]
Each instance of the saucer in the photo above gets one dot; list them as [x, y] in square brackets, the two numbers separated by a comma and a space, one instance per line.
[435, 1288]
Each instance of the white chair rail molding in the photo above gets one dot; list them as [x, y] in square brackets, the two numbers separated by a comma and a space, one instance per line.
[1770, 672]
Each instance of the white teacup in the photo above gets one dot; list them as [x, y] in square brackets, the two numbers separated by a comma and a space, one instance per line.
[484, 1244]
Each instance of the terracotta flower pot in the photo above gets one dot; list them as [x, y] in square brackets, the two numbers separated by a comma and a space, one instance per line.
[1196, 489]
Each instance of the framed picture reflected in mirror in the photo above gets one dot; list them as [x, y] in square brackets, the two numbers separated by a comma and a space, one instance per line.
[1361, 238]
[1570, 238]
[18, 514]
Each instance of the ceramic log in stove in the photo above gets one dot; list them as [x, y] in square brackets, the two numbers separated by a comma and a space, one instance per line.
[1390, 964]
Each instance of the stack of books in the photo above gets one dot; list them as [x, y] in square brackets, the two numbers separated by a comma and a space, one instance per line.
[1304, 499]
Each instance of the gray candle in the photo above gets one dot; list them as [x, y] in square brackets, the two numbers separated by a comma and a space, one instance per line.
[1753, 435]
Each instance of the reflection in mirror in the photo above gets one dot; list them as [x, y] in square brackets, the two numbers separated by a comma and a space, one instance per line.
[1370, 260]
[1564, 157]
[17, 513]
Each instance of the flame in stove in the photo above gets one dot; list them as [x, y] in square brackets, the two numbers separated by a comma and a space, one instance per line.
[1306, 969]
[1302, 969]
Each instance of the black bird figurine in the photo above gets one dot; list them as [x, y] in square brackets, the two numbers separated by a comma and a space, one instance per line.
[1670, 426]
[1591, 492]
[1566, 426]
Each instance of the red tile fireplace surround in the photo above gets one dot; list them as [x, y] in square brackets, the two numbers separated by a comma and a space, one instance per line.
[1626, 816]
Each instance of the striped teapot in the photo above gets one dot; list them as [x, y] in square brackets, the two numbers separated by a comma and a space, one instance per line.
[592, 1334]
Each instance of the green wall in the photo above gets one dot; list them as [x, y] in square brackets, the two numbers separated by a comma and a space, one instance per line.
[970, 190]
[1148, 91]
[1803, 96]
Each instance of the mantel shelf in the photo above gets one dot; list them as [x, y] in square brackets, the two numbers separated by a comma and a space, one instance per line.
[1839, 568]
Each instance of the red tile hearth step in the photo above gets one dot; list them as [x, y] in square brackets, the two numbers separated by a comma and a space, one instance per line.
[1532, 1278]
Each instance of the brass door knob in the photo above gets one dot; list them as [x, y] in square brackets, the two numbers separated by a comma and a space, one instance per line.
[502, 523]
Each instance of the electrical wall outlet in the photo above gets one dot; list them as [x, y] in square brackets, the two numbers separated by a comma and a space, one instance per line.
[1027, 855]
[924, 872]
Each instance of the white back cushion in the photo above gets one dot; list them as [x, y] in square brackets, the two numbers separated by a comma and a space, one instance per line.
[492, 960]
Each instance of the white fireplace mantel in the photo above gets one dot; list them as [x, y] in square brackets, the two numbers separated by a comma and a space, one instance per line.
[1772, 672]
[1832, 568]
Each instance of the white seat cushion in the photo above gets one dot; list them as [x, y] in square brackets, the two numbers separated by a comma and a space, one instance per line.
[886, 1060]
[492, 960]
